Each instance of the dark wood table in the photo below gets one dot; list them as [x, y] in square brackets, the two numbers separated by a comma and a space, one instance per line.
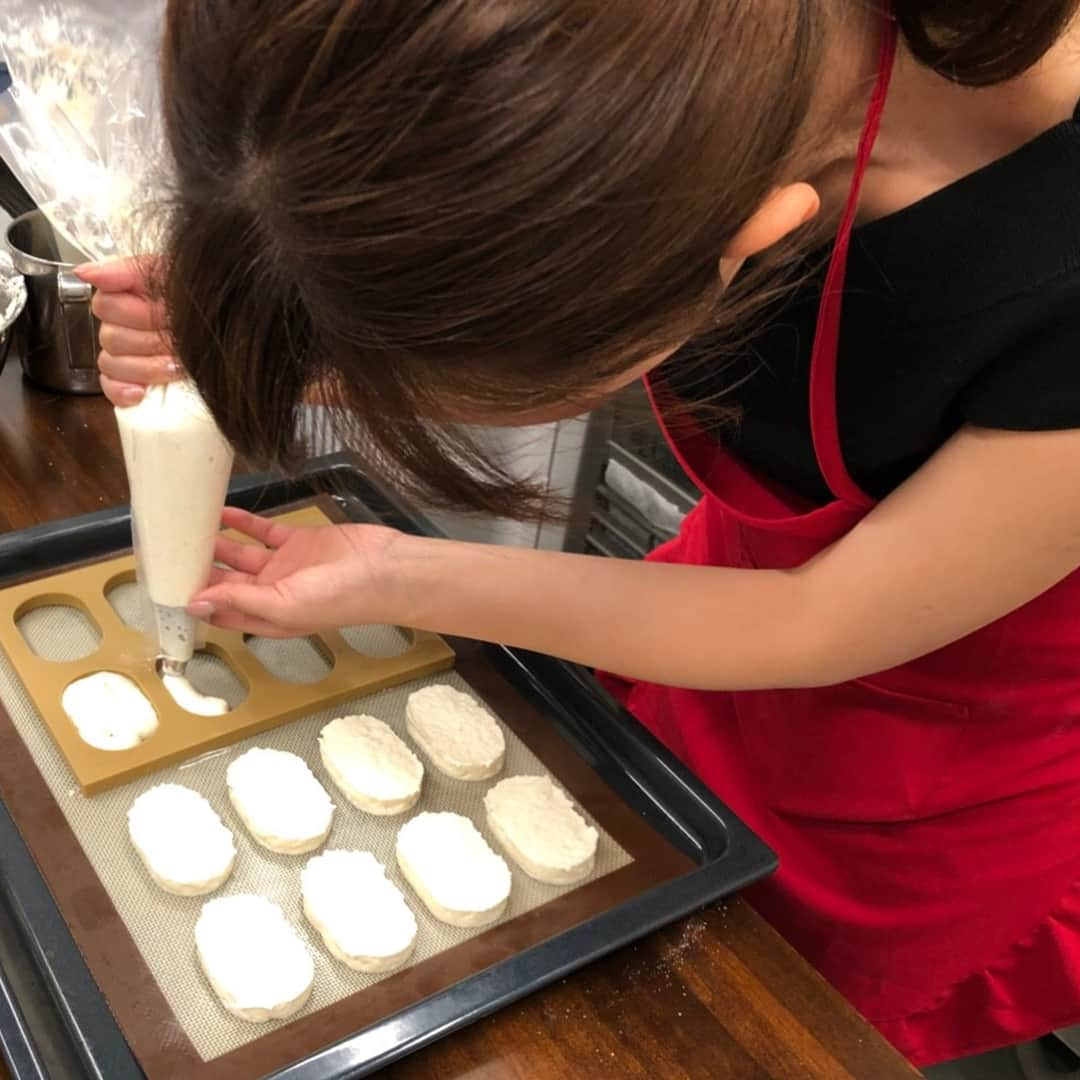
[717, 997]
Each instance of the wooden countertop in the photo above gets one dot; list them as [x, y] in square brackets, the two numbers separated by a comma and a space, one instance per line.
[718, 996]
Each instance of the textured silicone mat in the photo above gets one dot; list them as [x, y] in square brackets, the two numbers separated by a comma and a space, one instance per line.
[162, 925]
[259, 700]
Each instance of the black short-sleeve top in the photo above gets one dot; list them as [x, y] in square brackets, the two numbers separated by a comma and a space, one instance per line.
[963, 308]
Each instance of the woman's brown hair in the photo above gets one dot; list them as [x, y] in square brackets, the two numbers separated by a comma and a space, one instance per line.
[461, 208]
[980, 42]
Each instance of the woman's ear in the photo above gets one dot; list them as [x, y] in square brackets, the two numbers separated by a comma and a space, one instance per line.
[781, 213]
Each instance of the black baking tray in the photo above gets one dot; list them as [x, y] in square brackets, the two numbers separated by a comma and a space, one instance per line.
[55, 1022]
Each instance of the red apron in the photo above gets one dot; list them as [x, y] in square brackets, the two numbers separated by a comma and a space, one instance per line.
[927, 818]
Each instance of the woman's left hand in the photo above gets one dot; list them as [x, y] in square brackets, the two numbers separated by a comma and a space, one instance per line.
[292, 581]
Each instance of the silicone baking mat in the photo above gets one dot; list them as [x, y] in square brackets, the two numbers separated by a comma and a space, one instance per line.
[100, 824]
[138, 941]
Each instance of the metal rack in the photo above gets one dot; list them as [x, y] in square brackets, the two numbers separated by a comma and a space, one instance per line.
[620, 529]
[619, 525]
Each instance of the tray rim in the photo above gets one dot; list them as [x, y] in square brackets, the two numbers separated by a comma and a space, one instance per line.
[689, 816]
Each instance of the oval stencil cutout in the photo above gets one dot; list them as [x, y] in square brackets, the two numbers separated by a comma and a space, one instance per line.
[300, 660]
[214, 677]
[381, 642]
[60, 633]
[127, 601]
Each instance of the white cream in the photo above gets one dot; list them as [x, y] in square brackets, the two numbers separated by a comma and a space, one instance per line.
[361, 915]
[449, 864]
[109, 711]
[178, 466]
[370, 765]
[190, 700]
[540, 830]
[462, 739]
[279, 800]
[253, 958]
[185, 846]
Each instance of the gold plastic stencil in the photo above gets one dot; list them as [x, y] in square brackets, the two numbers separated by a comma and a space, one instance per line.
[268, 701]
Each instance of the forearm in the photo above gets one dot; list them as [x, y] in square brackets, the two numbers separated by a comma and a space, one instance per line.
[990, 523]
[986, 526]
[692, 626]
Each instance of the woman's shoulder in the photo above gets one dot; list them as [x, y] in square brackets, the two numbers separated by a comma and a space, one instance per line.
[998, 236]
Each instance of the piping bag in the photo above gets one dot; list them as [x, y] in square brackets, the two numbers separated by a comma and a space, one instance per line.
[178, 465]
[83, 134]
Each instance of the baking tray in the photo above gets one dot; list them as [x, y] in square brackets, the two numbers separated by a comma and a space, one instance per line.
[50, 1004]
[204, 1042]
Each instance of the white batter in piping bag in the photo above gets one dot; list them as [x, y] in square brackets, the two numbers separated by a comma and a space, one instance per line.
[178, 466]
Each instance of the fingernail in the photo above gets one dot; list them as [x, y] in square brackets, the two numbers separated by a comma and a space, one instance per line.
[131, 396]
[201, 609]
[86, 270]
[174, 368]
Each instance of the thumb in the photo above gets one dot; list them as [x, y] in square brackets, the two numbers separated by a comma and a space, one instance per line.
[120, 275]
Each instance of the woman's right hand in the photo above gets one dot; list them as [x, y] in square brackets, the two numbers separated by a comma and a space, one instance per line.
[136, 350]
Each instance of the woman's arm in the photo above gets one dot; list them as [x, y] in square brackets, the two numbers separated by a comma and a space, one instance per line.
[990, 523]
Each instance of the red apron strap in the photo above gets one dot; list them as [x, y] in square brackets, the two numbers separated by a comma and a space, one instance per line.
[823, 414]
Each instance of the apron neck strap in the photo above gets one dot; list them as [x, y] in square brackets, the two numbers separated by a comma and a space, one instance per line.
[823, 413]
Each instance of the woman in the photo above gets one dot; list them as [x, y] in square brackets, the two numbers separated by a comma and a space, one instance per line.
[867, 637]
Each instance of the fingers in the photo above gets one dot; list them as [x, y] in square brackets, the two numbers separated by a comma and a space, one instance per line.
[130, 311]
[229, 619]
[248, 559]
[119, 275]
[135, 353]
[230, 602]
[139, 370]
[270, 533]
[223, 575]
[122, 395]
[123, 341]
[245, 624]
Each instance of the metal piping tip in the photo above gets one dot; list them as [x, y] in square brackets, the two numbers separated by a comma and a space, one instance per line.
[167, 666]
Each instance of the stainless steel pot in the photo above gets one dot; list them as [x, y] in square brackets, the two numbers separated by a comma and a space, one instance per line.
[60, 337]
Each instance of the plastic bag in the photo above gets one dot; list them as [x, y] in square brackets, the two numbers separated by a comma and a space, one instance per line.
[84, 137]
[179, 466]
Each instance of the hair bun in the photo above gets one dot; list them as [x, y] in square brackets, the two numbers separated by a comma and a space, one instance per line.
[982, 42]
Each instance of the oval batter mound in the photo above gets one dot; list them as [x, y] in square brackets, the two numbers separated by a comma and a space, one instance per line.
[461, 737]
[361, 915]
[460, 879]
[370, 765]
[184, 845]
[539, 829]
[191, 700]
[279, 801]
[109, 711]
[253, 958]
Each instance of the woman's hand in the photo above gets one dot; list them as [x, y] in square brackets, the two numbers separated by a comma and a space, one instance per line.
[295, 581]
[135, 348]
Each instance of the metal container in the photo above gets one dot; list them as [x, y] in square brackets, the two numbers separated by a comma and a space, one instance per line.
[60, 335]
